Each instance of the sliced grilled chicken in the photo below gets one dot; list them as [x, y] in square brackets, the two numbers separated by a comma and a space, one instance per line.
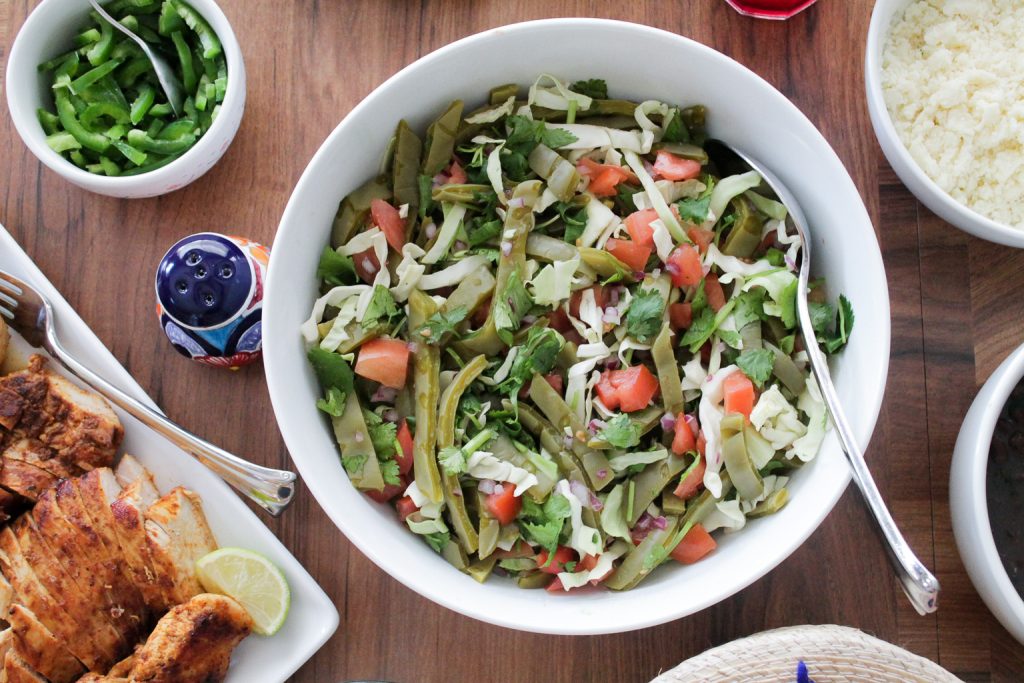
[79, 599]
[78, 425]
[128, 511]
[37, 645]
[193, 642]
[25, 479]
[95, 489]
[98, 678]
[6, 595]
[17, 670]
[129, 469]
[6, 642]
[34, 596]
[35, 453]
[177, 536]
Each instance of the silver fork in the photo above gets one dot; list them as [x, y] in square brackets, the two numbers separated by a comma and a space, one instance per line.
[31, 315]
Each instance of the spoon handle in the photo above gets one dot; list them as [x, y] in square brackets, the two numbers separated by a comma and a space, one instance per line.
[921, 587]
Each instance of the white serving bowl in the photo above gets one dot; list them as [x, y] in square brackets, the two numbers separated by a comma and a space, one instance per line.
[48, 32]
[916, 180]
[744, 110]
[968, 500]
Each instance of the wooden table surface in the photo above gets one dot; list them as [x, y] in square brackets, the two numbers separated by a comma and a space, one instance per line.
[955, 313]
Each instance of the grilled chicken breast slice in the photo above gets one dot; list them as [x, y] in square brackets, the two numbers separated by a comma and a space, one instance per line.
[24, 479]
[128, 511]
[37, 645]
[17, 670]
[35, 597]
[177, 536]
[193, 642]
[35, 453]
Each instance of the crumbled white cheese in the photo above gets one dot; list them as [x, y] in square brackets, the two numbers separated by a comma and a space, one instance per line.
[953, 83]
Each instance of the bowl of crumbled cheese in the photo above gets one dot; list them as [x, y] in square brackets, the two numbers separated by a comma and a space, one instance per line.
[945, 87]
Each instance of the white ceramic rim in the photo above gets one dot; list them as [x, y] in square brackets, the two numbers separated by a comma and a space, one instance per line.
[626, 621]
[969, 220]
[36, 22]
[971, 456]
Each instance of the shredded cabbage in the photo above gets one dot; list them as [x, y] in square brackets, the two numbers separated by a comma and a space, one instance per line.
[453, 215]
[495, 113]
[656, 198]
[453, 274]
[484, 465]
[557, 96]
[331, 298]
[583, 539]
[811, 403]
[776, 419]
[599, 218]
[621, 462]
[553, 284]
[409, 271]
[729, 188]
[589, 136]
[726, 515]
[711, 413]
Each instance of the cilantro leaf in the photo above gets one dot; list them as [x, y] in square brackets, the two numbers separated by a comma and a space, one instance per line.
[749, 308]
[757, 365]
[557, 507]
[596, 88]
[383, 435]
[481, 232]
[353, 464]
[555, 137]
[575, 219]
[822, 316]
[336, 269]
[621, 432]
[700, 329]
[675, 131]
[844, 325]
[537, 355]
[381, 310]
[695, 210]
[331, 369]
[775, 257]
[645, 315]
[730, 337]
[543, 533]
[452, 460]
[437, 540]
[440, 324]
[509, 311]
[543, 525]
[333, 403]
[787, 302]
[389, 470]
[700, 299]
[522, 134]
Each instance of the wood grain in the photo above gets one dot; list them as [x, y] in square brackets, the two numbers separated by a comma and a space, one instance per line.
[955, 315]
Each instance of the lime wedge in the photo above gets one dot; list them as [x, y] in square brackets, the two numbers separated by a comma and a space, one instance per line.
[251, 579]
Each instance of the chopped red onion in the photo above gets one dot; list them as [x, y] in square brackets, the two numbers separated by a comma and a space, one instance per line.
[708, 378]
[656, 272]
[390, 415]
[595, 503]
[529, 319]
[611, 362]
[660, 523]
[649, 167]
[602, 473]
[413, 347]
[506, 248]
[691, 422]
[430, 230]
[358, 436]
[638, 275]
[596, 425]
[668, 423]
[613, 296]
[644, 523]
[384, 395]
[460, 245]
[486, 486]
[790, 263]
[581, 492]
[440, 179]
[705, 269]
[611, 315]
[671, 268]
[498, 489]
[516, 203]
[567, 440]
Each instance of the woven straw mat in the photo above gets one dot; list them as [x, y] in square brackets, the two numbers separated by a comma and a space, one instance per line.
[833, 654]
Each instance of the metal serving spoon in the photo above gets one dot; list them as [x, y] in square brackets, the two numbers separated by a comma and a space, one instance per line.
[169, 83]
[31, 315]
[918, 583]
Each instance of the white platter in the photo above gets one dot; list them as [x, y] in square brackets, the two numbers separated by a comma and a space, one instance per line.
[313, 617]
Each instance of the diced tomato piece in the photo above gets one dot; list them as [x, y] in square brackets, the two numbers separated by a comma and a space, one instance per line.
[555, 380]
[385, 216]
[635, 386]
[702, 443]
[684, 266]
[702, 238]
[605, 184]
[739, 394]
[684, 440]
[558, 320]
[555, 586]
[600, 298]
[456, 176]
[629, 252]
[716, 295]
[592, 169]
[405, 507]
[563, 554]
[695, 544]
[680, 316]
[689, 486]
[389, 491]
[505, 505]
[671, 167]
[385, 361]
[607, 392]
[586, 563]
[638, 225]
[367, 265]
[404, 459]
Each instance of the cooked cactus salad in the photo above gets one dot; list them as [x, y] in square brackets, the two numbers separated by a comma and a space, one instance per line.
[562, 342]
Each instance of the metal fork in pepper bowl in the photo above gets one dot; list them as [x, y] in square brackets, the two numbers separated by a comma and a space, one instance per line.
[32, 316]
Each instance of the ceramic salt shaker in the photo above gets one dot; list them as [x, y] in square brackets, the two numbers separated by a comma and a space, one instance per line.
[209, 290]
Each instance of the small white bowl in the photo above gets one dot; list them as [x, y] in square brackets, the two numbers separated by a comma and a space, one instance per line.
[48, 32]
[916, 180]
[968, 500]
[743, 109]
